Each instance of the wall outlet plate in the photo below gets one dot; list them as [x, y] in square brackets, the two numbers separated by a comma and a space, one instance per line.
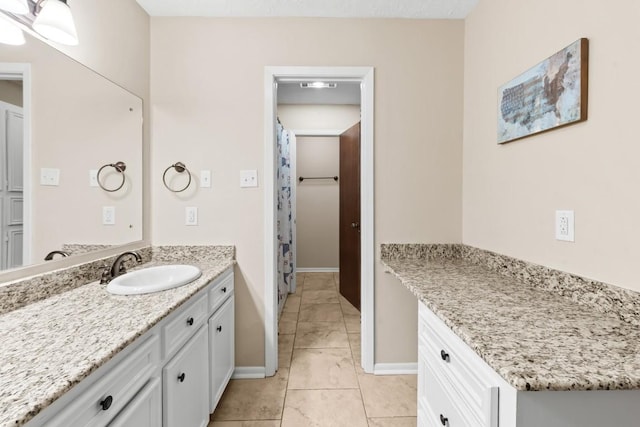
[565, 227]
[205, 179]
[49, 176]
[108, 215]
[191, 215]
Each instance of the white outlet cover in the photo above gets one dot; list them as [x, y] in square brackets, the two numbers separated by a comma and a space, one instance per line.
[191, 215]
[49, 176]
[565, 226]
[108, 215]
[93, 178]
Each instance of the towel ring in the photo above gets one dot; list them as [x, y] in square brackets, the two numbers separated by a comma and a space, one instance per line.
[120, 167]
[180, 168]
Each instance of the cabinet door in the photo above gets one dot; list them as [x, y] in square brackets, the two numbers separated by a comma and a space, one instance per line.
[221, 350]
[145, 410]
[185, 384]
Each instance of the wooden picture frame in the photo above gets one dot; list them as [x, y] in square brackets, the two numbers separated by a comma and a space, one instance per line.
[552, 94]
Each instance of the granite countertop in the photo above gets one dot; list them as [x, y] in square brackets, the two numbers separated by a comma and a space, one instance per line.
[535, 338]
[53, 344]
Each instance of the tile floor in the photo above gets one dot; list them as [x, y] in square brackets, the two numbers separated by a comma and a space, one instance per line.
[318, 383]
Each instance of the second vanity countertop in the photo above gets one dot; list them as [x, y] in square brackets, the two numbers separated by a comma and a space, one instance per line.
[534, 338]
[51, 345]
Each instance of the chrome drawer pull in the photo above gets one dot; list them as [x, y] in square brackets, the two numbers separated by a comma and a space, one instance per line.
[445, 356]
[444, 421]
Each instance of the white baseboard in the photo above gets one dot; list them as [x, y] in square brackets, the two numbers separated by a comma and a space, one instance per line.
[395, 369]
[248, 372]
[317, 270]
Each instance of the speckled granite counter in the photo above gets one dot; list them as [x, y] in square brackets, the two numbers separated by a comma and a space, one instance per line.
[540, 329]
[53, 344]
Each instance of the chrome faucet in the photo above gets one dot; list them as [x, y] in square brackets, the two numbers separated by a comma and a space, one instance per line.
[118, 268]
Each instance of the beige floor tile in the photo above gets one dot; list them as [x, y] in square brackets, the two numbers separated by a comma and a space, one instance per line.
[389, 395]
[287, 323]
[322, 368]
[356, 353]
[393, 422]
[347, 308]
[323, 408]
[352, 323]
[260, 399]
[320, 297]
[285, 350]
[292, 305]
[321, 335]
[270, 423]
[320, 313]
[300, 278]
[319, 281]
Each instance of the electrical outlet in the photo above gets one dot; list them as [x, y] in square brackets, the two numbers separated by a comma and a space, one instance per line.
[248, 178]
[565, 226]
[108, 215]
[191, 216]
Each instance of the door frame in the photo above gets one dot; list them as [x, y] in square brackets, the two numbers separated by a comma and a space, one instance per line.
[364, 75]
[14, 71]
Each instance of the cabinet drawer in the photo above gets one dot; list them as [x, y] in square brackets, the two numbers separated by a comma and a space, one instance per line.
[145, 410]
[220, 292]
[458, 368]
[184, 325]
[441, 405]
[103, 400]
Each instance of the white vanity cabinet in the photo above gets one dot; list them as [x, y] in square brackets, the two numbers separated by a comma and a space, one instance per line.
[456, 388]
[171, 376]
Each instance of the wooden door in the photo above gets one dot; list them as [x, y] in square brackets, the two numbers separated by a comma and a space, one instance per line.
[350, 215]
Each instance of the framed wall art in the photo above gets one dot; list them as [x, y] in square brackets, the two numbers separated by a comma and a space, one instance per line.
[547, 96]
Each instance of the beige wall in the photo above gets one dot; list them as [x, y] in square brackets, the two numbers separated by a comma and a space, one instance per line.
[207, 85]
[511, 191]
[317, 202]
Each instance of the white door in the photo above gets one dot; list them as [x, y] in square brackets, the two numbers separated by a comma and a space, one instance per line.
[145, 410]
[12, 186]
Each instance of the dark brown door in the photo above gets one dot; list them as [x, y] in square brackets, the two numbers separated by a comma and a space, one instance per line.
[350, 215]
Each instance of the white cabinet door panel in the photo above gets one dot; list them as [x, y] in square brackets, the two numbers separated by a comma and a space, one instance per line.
[221, 350]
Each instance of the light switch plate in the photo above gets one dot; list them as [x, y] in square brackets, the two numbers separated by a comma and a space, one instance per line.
[108, 215]
[93, 178]
[565, 226]
[248, 178]
[205, 179]
[49, 176]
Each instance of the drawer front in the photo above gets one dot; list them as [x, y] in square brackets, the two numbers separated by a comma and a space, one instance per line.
[184, 325]
[440, 405]
[459, 368]
[220, 292]
[185, 385]
[110, 394]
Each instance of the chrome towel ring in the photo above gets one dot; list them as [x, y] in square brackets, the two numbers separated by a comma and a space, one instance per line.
[180, 168]
[120, 167]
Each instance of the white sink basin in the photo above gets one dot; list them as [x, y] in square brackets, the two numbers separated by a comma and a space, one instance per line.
[153, 279]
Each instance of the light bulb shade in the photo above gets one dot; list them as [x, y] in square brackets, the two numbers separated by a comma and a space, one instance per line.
[56, 23]
[19, 7]
[10, 33]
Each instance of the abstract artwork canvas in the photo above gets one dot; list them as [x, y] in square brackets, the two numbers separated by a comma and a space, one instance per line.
[547, 96]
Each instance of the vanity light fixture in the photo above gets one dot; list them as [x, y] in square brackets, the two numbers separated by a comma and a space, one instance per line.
[10, 33]
[19, 7]
[55, 22]
[318, 85]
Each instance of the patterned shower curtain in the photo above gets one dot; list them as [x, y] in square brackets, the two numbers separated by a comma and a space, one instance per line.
[285, 228]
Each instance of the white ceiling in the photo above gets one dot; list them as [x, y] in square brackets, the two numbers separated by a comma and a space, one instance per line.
[419, 9]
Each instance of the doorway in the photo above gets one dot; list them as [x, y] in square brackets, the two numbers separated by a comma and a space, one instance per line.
[364, 76]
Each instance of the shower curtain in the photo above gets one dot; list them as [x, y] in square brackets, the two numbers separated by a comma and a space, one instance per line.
[285, 222]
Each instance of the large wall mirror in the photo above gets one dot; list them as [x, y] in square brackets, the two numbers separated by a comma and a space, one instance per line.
[61, 123]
